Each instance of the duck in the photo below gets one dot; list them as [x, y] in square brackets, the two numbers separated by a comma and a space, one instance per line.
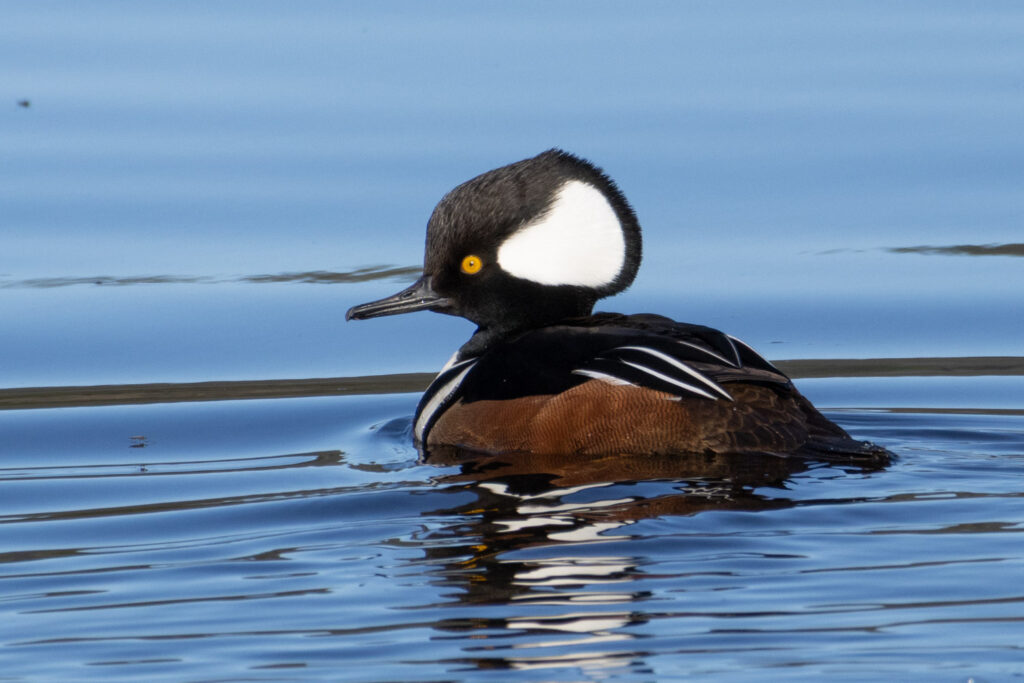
[525, 251]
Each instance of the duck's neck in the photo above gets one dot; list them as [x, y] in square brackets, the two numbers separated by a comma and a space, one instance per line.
[484, 338]
[528, 306]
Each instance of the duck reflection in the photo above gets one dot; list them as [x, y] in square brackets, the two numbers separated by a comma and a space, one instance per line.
[525, 501]
[546, 539]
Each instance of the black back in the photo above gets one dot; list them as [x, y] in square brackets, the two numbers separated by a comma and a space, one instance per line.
[651, 351]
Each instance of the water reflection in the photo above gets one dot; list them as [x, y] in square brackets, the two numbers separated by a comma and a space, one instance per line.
[409, 273]
[244, 551]
[145, 477]
[547, 536]
[102, 280]
[364, 274]
[399, 273]
[1008, 249]
[963, 250]
[410, 382]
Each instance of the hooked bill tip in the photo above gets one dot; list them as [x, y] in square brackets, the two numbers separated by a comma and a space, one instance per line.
[417, 297]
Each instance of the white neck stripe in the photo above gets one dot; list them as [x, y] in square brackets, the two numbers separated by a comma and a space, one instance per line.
[437, 401]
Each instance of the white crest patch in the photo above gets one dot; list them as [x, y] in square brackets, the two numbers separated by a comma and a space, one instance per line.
[578, 241]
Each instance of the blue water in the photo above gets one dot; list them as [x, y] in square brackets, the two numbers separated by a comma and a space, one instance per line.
[774, 153]
[301, 540]
[807, 175]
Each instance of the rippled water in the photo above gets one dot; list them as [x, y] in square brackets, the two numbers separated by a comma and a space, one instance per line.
[300, 539]
[192, 194]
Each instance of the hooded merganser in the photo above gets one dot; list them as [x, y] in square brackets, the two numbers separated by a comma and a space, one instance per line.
[524, 251]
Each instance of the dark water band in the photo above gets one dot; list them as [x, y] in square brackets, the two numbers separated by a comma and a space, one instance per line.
[414, 382]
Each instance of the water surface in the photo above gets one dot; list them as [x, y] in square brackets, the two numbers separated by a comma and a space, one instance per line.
[301, 539]
[191, 195]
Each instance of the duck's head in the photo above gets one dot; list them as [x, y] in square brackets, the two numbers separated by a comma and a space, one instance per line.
[522, 246]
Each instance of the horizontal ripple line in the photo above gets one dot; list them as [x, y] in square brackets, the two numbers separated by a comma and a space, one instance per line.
[952, 366]
[173, 392]
[168, 392]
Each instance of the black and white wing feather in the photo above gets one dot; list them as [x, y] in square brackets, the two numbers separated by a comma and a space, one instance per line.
[682, 360]
[652, 368]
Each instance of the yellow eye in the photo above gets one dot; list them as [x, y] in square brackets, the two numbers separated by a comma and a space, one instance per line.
[471, 265]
